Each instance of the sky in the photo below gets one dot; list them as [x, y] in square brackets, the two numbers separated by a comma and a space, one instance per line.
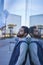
[18, 7]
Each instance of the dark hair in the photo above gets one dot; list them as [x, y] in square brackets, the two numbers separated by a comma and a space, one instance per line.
[26, 29]
[32, 29]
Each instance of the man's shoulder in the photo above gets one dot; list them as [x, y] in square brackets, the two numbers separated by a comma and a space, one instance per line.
[34, 41]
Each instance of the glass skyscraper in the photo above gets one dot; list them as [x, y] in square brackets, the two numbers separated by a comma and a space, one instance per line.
[1, 12]
[1, 6]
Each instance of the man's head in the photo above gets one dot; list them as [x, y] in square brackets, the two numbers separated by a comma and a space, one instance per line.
[34, 31]
[23, 32]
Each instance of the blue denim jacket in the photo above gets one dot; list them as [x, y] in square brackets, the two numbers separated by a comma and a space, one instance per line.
[33, 52]
[23, 50]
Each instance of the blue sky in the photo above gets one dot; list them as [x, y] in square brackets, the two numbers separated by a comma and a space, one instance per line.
[18, 7]
[35, 6]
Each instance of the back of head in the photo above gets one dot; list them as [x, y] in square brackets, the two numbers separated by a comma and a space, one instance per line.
[32, 29]
[26, 29]
[23, 32]
[34, 32]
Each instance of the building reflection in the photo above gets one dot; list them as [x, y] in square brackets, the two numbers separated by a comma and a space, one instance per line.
[40, 27]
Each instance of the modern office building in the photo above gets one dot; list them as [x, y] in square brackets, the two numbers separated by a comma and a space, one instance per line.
[15, 20]
[36, 20]
[1, 6]
[1, 11]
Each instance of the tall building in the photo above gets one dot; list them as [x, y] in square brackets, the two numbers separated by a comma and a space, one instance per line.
[1, 6]
[36, 20]
[14, 19]
[1, 12]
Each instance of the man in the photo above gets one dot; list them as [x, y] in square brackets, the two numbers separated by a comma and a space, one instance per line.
[22, 36]
[34, 33]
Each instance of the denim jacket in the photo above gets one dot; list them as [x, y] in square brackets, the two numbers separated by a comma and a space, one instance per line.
[23, 50]
[33, 52]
